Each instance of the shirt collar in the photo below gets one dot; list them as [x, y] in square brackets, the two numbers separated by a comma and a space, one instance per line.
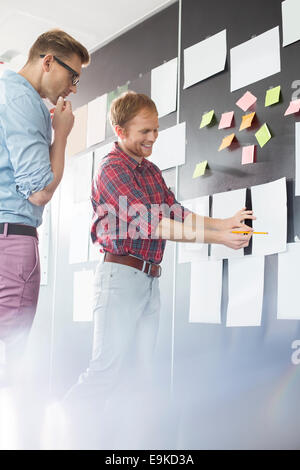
[131, 161]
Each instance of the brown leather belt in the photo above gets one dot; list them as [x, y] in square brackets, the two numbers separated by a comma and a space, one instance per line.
[153, 270]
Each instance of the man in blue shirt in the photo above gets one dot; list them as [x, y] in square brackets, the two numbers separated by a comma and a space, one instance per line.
[31, 168]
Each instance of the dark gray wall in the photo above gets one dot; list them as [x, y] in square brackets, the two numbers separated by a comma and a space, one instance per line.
[232, 387]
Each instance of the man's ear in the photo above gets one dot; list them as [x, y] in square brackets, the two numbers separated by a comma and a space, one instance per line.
[47, 61]
[120, 132]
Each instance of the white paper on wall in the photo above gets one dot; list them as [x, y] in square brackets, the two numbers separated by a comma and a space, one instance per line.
[164, 87]
[169, 148]
[80, 232]
[288, 307]
[255, 59]
[225, 205]
[82, 177]
[290, 21]
[206, 292]
[96, 121]
[269, 204]
[205, 59]
[190, 252]
[245, 291]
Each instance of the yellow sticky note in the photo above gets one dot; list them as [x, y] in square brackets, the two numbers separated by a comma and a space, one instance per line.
[200, 169]
[247, 121]
[207, 118]
[272, 96]
[263, 135]
[226, 142]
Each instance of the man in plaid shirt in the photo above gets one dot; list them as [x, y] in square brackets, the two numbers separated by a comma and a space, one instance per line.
[134, 214]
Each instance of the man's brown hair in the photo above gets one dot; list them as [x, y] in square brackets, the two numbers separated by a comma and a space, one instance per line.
[127, 106]
[60, 44]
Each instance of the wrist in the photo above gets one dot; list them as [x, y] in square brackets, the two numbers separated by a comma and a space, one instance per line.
[60, 137]
[225, 224]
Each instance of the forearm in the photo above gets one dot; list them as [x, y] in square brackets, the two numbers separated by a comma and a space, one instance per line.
[57, 161]
[193, 230]
[214, 224]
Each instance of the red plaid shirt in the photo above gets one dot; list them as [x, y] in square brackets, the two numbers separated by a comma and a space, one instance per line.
[127, 198]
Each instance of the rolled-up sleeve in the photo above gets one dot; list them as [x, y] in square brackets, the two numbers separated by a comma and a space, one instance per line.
[26, 138]
[116, 181]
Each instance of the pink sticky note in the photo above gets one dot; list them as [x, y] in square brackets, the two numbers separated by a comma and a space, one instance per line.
[248, 155]
[226, 120]
[246, 101]
[294, 107]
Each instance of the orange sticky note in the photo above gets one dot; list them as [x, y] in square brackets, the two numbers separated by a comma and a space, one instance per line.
[247, 121]
[226, 142]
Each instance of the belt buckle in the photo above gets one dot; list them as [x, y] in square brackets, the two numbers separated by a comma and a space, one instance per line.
[149, 270]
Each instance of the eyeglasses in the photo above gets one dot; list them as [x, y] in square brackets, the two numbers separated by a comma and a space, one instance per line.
[75, 75]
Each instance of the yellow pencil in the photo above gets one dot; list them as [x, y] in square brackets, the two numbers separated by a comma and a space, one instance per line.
[256, 233]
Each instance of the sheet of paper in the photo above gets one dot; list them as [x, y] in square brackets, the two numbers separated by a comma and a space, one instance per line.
[290, 21]
[263, 135]
[288, 297]
[248, 155]
[226, 205]
[272, 96]
[96, 122]
[294, 107]
[99, 153]
[80, 232]
[164, 87]
[188, 252]
[205, 59]
[207, 118]
[77, 138]
[297, 159]
[246, 101]
[169, 149]
[269, 204]
[226, 120]
[206, 292]
[200, 169]
[245, 291]
[83, 295]
[255, 59]
[82, 177]
[247, 121]
[226, 142]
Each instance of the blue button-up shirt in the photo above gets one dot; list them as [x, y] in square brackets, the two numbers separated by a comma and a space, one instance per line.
[25, 139]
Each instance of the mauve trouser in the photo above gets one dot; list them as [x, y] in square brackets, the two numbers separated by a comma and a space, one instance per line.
[19, 290]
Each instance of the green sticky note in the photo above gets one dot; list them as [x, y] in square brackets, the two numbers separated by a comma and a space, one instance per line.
[200, 169]
[272, 96]
[207, 118]
[263, 135]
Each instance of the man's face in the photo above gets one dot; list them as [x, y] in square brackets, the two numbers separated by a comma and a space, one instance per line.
[58, 80]
[140, 134]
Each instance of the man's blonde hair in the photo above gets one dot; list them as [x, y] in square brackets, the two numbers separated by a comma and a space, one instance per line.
[127, 106]
[60, 44]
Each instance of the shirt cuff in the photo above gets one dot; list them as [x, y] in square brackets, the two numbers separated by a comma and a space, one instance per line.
[26, 188]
